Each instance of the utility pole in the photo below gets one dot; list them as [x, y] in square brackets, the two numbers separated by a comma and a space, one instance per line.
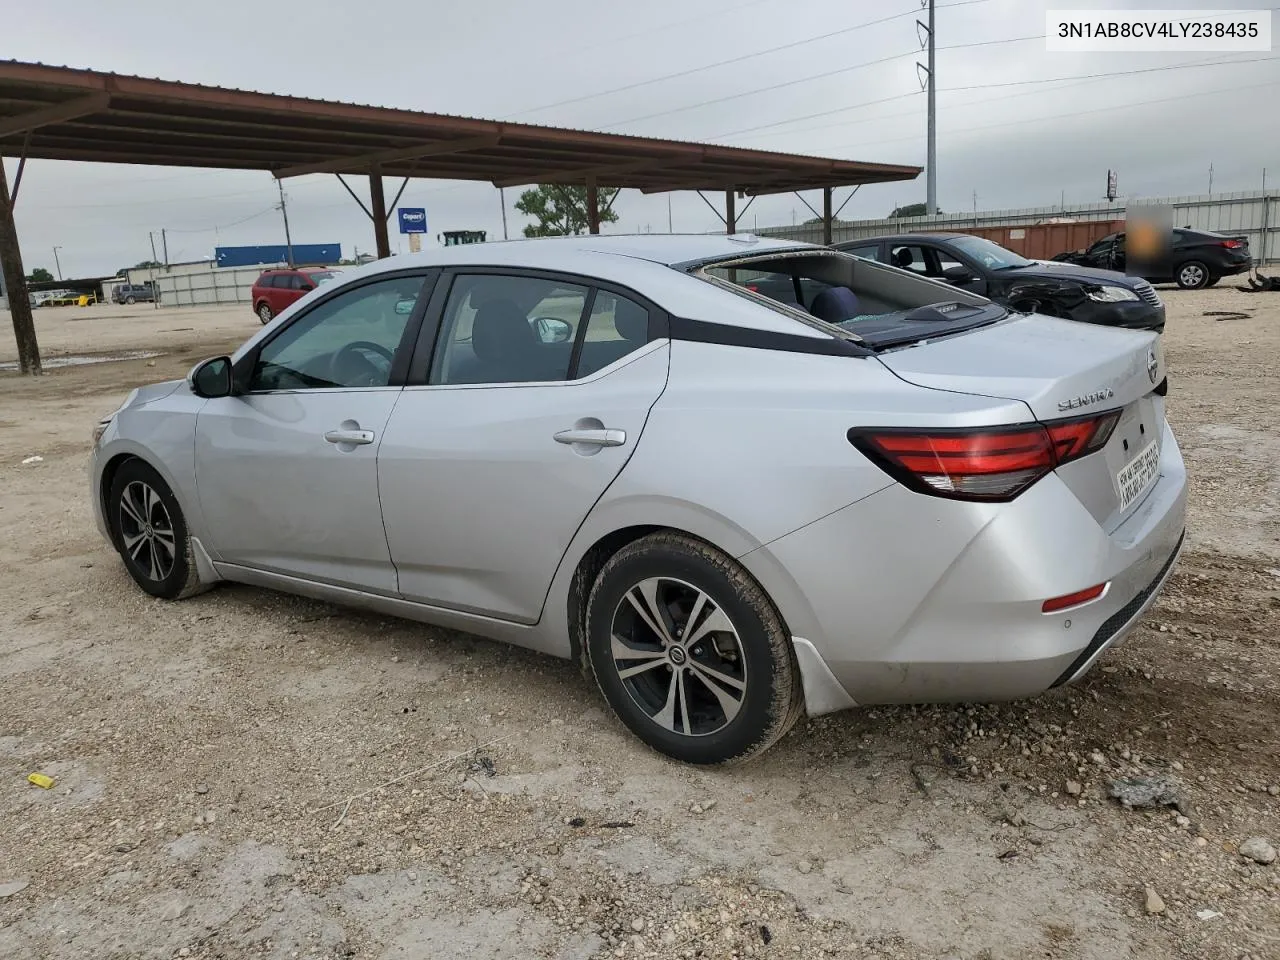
[1210, 178]
[164, 245]
[155, 294]
[931, 160]
[284, 211]
[57, 263]
[502, 198]
[670, 229]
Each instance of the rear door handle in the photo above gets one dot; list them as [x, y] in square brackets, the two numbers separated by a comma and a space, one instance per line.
[356, 437]
[600, 438]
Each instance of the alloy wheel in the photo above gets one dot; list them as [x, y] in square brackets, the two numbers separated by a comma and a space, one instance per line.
[679, 656]
[1192, 275]
[146, 530]
[264, 313]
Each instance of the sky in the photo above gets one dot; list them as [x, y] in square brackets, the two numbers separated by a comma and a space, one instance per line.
[1017, 126]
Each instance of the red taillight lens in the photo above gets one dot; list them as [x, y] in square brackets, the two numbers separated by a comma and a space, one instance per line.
[982, 464]
[1073, 439]
[1073, 599]
[1232, 244]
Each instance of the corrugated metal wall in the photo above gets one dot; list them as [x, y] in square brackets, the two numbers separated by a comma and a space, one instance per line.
[1248, 214]
[211, 286]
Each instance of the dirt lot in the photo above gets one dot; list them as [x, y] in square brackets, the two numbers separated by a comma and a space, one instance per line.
[250, 775]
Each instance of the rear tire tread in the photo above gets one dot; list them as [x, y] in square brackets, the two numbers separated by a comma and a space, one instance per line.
[787, 704]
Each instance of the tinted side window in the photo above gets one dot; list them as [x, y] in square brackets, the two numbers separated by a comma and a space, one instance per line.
[507, 329]
[347, 341]
[617, 326]
[267, 280]
[908, 257]
[294, 281]
[871, 252]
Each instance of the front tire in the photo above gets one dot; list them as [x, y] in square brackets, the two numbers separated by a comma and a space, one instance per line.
[264, 313]
[130, 300]
[690, 652]
[150, 532]
[1193, 275]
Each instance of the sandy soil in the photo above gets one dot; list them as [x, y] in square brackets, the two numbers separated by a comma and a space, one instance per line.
[250, 775]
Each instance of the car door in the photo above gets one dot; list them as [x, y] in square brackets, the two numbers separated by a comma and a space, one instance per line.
[504, 440]
[287, 468]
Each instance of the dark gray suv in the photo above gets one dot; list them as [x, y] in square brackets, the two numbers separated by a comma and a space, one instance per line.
[134, 293]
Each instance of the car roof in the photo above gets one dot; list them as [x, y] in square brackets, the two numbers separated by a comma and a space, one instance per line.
[663, 248]
[903, 237]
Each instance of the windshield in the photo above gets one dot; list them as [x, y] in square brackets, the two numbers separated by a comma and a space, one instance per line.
[990, 255]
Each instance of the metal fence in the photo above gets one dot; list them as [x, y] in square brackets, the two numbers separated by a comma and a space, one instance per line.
[1252, 214]
[212, 286]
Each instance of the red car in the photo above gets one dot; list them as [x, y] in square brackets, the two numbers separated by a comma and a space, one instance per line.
[276, 289]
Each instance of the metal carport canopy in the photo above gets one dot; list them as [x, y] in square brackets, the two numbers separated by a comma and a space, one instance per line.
[61, 113]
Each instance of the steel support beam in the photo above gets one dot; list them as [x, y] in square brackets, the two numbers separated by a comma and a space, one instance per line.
[593, 206]
[730, 218]
[826, 216]
[58, 113]
[365, 160]
[15, 284]
[378, 202]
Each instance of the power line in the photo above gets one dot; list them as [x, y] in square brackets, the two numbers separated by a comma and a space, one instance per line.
[739, 59]
[1080, 78]
[817, 76]
[1077, 113]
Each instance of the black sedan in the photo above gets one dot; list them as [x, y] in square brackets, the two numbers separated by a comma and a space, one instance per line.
[1056, 289]
[1196, 258]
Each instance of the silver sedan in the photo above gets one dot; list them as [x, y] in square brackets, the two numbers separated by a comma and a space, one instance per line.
[737, 478]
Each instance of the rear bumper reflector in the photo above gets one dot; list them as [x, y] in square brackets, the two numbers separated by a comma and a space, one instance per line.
[1077, 599]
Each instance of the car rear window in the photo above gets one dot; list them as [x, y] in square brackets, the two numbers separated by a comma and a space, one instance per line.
[851, 298]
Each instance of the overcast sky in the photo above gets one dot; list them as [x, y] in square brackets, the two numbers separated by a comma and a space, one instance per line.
[1012, 142]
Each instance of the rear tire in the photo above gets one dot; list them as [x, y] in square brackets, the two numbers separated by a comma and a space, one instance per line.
[264, 313]
[690, 652]
[150, 532]
[130, 300]
[1192, 275]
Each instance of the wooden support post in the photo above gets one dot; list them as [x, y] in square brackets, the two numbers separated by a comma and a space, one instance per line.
[730, 218]
[593, 206]
[378, 201]
[826, 216]
[15, 284]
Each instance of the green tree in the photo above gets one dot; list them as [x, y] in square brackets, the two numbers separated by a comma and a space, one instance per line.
[40, 275]
[910, 210]
[144, 265]
[562, 211]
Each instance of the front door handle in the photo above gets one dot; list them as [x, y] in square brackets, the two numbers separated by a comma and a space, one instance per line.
[356, 437]
[603, 437]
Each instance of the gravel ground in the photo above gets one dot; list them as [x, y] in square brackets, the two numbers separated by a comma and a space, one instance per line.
[252, 775]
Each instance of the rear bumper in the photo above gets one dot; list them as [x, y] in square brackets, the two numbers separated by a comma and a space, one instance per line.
[908, 598]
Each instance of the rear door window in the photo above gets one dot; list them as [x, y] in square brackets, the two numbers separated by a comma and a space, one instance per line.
[507, 329]
[908, 256]
[267, 281]
[870, 252]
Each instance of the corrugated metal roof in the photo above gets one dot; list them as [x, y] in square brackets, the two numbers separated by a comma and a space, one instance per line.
[64, 113]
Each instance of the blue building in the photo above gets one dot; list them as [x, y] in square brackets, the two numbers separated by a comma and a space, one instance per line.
[308, 254]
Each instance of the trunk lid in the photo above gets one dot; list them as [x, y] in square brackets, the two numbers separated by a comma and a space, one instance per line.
[1058, 368]
[1062, 370]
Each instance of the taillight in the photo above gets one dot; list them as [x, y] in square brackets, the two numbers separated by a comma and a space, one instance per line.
[992, 463]
[1231, 244]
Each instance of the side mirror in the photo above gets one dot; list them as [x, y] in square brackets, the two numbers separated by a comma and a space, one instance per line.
[552, 330]
[211, 378]
[957, 274]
